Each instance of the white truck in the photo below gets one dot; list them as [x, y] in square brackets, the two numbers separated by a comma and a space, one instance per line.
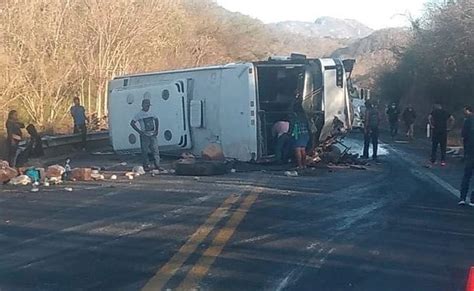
[234, 105]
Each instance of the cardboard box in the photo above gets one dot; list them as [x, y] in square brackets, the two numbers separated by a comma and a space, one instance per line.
[82, 174]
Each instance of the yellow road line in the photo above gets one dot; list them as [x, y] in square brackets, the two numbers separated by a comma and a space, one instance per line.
[201, 268]
[173, 265]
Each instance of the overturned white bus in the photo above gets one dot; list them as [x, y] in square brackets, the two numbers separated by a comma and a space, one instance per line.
[235, 105]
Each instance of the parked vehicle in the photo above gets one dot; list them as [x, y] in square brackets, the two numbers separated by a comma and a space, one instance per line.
[234, 105]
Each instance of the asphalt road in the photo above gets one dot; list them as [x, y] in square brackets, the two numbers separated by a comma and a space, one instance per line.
[391, 227]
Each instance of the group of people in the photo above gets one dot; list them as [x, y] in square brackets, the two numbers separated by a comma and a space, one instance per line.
[408, 116]
[17, 151]
[440, 122]
[20, 149]
[372, 122]
[292, 137]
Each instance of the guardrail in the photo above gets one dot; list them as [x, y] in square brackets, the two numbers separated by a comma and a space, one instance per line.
[71, 139]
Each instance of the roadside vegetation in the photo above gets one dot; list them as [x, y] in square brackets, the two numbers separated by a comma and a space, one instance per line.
[438, 64]
[52, 50]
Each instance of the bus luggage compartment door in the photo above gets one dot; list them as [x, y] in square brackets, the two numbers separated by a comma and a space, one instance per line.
[170, 104]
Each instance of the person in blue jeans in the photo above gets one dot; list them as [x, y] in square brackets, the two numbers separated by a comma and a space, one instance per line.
[78, 113]
[468, 135]
[146, 124]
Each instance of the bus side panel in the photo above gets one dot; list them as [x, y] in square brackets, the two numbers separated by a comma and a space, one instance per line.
[207, 87]
[204, 86]
[238, 113]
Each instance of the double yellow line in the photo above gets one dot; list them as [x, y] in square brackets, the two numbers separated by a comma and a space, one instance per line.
[201, 268]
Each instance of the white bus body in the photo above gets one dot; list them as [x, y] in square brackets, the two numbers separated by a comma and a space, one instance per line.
[234, 105]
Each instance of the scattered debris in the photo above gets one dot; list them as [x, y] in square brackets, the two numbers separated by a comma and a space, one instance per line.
[55, 171]
[113, 177]
[233, 171]
[82, 174]
[130, 175]
[4, 164]
[213, 152]
[291, 173]
[99, 177]
[7, 173]
[34, 189]
[138, 171]
[20, 180]
[68, 189]
[33, 174]
[55, 181]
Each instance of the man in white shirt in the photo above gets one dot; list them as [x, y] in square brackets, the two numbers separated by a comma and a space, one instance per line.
[147, 126]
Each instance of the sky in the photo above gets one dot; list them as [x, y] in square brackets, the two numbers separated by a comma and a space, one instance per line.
[374, 13]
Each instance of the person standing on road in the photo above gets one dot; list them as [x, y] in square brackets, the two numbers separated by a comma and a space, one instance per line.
[393, 114]
[300, 136]
[14, 137]
[146, 124]
[79, 117]
[465, 135]
[468, 136]
[409, 118]
[282, 139]
[371, 130]
[441, 121]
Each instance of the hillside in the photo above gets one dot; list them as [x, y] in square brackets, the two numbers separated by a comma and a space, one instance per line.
[76, 48]
[377, 52]
[325, 27]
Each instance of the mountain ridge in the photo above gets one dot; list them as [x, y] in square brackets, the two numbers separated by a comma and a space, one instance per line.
[326, 27]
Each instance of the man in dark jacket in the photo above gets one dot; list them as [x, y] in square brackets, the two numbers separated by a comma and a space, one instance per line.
[465, 136]
[371, 130]
[393, 114]
[409, 117]
[468, 135]
[441, 121]
[14, 137]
